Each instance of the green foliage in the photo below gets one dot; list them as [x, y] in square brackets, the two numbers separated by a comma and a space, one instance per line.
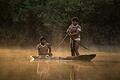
[27, 20]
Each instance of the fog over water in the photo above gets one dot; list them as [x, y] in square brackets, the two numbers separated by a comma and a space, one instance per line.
[15, 65]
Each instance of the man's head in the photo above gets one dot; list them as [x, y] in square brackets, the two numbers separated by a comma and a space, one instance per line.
[43, 40]
[75, 20]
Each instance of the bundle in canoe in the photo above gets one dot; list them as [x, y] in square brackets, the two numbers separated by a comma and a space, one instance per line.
[81, 57]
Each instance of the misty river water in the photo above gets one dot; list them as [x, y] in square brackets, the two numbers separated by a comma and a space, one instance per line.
[15, 65]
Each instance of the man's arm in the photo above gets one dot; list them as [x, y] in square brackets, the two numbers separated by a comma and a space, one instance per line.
[37, 46]
[75, 33]
[49, 47]
[68, 30]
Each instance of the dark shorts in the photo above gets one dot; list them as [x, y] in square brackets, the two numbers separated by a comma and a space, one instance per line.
[74, 44]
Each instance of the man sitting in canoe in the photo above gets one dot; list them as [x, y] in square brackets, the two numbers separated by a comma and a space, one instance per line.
[44, 48]
[74, 33]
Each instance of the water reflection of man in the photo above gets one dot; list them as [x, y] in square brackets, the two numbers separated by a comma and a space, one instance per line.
[43, 70]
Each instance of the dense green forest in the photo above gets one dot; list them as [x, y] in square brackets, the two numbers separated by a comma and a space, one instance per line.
[23, 22]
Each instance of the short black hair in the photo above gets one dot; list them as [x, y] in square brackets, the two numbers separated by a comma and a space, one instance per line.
[75, 19]
[42, 38]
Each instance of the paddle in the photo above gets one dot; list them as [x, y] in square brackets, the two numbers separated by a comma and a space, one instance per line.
[83, 46]
[62, 41]
[80, 44]
[72, 39]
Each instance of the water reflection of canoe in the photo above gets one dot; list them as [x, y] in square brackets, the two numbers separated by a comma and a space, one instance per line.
[81, 57]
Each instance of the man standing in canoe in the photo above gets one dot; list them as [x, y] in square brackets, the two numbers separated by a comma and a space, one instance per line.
[74, 33]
